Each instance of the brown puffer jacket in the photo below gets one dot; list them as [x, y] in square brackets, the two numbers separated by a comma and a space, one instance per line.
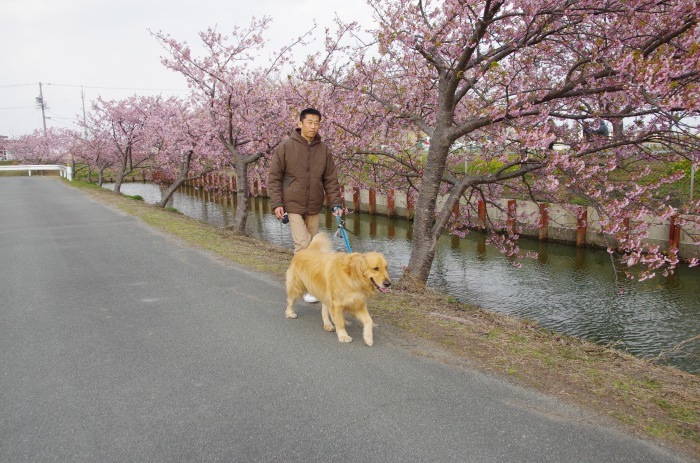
[300, 175]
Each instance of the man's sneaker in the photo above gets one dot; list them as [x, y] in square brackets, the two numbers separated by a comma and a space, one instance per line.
[309, 298]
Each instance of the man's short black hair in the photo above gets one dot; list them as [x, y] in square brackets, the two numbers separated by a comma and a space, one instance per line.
[312, 111]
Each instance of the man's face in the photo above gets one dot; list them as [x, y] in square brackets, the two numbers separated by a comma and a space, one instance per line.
[309, 126]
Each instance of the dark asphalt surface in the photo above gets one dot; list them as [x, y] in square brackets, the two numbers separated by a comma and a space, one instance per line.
[120, 344]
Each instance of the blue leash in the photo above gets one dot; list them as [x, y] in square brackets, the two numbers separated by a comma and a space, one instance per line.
[341, 229]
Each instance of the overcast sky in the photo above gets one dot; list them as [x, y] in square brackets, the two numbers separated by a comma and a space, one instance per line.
[104, 48]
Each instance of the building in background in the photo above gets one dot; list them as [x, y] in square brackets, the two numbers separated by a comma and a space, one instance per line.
[4, 154]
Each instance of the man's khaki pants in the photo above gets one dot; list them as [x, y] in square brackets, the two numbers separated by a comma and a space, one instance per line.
[303, 229]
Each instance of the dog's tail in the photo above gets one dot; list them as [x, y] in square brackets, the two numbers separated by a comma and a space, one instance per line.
[321, 243]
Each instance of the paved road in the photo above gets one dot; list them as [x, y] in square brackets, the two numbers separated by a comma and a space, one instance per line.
[119, 344]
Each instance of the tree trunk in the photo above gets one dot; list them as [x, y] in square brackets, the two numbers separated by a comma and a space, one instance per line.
[184, 170]
[242, 196]
[424, 243]
[124, 169]
[118, 183]
[120, 177]
[170, 191]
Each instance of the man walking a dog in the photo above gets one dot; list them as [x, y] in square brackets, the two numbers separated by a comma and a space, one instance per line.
[301, 173]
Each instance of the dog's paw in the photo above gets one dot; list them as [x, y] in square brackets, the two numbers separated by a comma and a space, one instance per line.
[289, 314]
[329, 328]
[344, 338]
[369, 342]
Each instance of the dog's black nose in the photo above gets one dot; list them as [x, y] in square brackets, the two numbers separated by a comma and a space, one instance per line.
[387, 284]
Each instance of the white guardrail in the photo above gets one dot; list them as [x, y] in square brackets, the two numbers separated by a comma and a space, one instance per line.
[66, 171]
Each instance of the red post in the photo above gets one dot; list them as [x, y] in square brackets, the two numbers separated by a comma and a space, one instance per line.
[372, 201]
[390, 207]
[512, 211]
[674, 234]
[625, 234]
[255, 187]
[356, 198]
[544, 222]
[481, 208]
[581, 226]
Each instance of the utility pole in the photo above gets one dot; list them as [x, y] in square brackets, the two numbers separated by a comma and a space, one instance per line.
[82, 96]
[42, 105]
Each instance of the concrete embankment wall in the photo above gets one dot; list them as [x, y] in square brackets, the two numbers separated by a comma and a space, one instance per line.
[578, 225]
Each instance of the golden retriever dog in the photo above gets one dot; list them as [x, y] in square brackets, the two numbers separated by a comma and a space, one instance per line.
[340, 281]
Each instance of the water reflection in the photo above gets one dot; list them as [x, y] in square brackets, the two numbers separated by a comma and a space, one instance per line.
[567, 289]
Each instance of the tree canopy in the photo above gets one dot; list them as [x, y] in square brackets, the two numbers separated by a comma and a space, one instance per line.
[561, 102]
[514, 79]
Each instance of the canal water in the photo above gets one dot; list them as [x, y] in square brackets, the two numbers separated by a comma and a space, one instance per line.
[571, 290]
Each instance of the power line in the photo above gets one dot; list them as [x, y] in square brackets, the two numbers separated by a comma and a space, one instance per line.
[94, 87]
[41, 103]
[18, 85]
[117, 88]
[57, 120]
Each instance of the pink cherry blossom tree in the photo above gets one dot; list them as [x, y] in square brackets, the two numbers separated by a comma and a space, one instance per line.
[94, 149]
[249, 112]
[185, 147]
[52, 147]
[560, 102]
[125, 124]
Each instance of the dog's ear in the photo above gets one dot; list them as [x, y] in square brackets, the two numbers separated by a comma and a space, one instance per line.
[358, 263]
